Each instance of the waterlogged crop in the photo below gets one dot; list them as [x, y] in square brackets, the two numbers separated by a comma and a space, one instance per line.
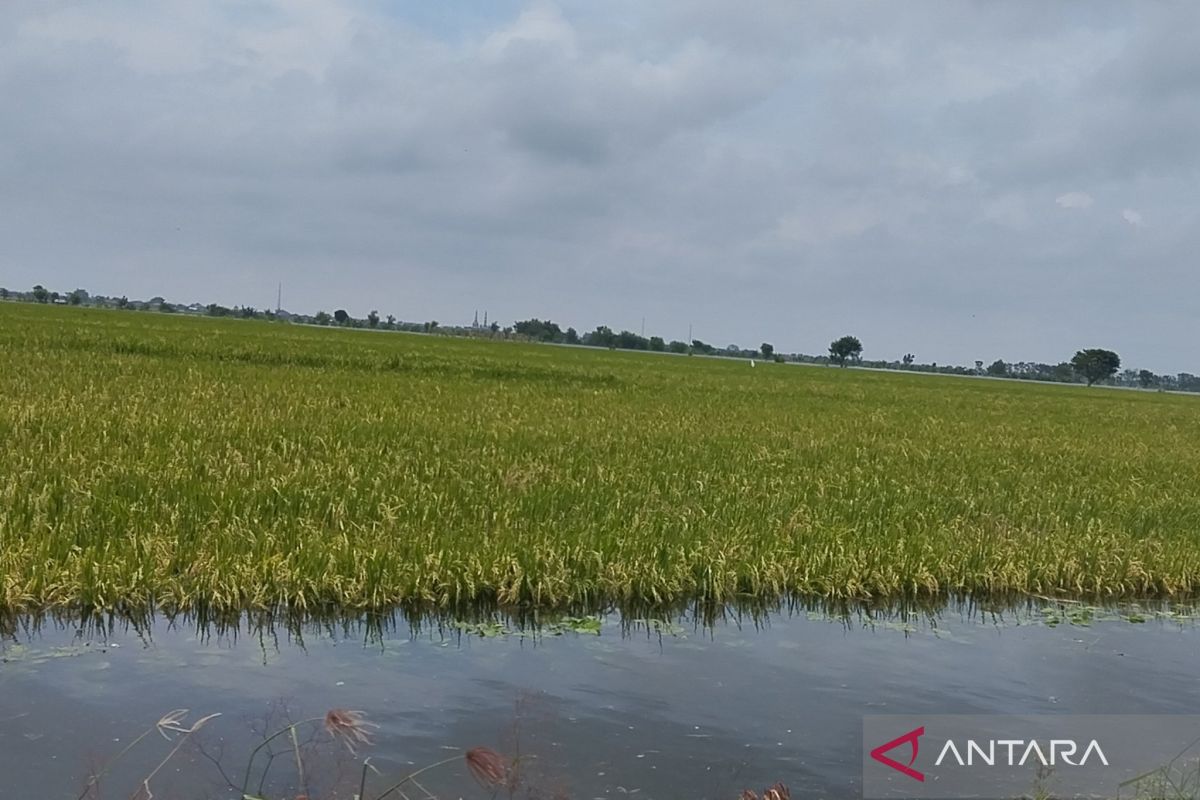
[187, 463]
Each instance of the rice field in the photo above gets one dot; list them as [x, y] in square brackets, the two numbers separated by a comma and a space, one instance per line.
[193, 463]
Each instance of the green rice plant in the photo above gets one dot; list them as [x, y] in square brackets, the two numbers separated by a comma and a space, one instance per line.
[171, 462]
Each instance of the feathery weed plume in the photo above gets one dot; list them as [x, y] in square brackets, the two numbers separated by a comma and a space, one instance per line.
[487, 766]
[349, 726]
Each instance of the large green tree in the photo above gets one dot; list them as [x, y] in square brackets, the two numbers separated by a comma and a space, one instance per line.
[847, 348]
[1096, 364]
[541, 330]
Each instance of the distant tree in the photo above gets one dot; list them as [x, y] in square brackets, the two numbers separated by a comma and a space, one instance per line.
[40, 295]
[495, 326]
[247, 312]
[76, 297]
[539, 330]
[123, 302]
[997, 369]
[431, 326]
[341, 317]
[701, 347]
[677, 346]
[373, 319]
[1063, 372]
[767, 349]
[978, 367]
[3, 293]
[847, 348]
[628, 340]
[1147, 378]
[1095, 364]
[603, 336]
[167, 308]
[322, 318]
[571, 336]
[908, 359]
[657, 344]
[391, 321]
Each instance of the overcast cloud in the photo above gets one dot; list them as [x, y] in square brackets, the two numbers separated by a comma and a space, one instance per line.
[962, 181]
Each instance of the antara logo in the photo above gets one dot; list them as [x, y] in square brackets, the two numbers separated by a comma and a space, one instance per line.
[990, 752]
[912, 738]
[1018, 752]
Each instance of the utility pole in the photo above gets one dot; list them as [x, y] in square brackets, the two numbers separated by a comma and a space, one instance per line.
[279, 298]
[690, 333]
[643, 327]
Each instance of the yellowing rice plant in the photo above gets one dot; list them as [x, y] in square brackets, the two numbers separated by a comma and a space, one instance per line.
[186, 462]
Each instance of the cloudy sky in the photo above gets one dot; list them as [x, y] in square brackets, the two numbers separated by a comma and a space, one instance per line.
[962, 181]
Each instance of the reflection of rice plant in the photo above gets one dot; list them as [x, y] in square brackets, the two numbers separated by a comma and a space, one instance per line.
[493, 772]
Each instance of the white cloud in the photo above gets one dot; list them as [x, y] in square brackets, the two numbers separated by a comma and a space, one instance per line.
[541, 25]
[1074, 200]
[1133, 217]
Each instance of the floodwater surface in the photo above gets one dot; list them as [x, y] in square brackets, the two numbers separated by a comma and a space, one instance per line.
[665, 710]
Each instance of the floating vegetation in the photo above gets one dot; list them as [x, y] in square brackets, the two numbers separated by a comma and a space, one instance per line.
[1083, 615]
[19, 653]
[181, 463]
[491, 629]
[484, 630]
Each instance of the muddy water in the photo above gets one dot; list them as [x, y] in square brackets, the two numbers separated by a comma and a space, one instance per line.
[681, 711]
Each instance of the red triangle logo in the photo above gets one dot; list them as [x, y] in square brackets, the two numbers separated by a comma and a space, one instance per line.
[912, 738]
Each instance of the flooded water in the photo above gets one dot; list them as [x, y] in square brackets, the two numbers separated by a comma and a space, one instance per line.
[671, 711]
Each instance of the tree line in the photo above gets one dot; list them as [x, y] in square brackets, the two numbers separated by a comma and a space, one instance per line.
[1090, 366]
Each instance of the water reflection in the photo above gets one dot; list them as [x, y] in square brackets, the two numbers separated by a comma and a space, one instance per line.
[292, 626]
[695, 702]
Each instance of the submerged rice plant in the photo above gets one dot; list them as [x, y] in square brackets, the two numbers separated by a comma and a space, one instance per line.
[188, 462]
